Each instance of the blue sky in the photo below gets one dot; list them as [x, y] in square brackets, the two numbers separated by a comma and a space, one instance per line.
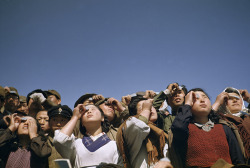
[115, 47]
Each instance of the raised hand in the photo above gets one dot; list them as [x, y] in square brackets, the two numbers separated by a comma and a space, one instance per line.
[149, 94]
[116, 104]
[97, 98]
[32, 127]
[245, 95]
[126, 99]
[14, 122]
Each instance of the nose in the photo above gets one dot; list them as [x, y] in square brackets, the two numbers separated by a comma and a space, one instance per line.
[58, 124]
[42, 121]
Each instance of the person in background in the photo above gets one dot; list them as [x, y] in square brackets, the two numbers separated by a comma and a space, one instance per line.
[139, 140]
[230, 105]
[198, 139]
[23, 107]
[37, 100]
[43, 119]
[53, 96]
[22, 144]
[94, 126]
[2, 99]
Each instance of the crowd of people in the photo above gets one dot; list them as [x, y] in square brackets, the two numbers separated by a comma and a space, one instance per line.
[175, 128]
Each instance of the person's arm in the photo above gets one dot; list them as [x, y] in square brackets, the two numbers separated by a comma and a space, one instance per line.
[79, 110]
[159, 99]
[234, 149]
[40, 146]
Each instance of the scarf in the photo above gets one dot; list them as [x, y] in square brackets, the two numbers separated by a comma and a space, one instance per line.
[155, 143]
[91, 145]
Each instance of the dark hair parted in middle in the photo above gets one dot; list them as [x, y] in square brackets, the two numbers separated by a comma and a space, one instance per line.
[214, 117]
[105, 124]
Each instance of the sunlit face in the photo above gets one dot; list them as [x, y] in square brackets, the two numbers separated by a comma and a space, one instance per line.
[23, 128]
[177, 99]
[93, 115]
[108, 111]
[43, 119]
[54, 99]
[202, 105]
[57, 122]
[234, 103]
[23, 107]
[153, 114]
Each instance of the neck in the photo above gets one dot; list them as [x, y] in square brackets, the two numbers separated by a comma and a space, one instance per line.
[94, 130]
[24, 140]
[201, 120]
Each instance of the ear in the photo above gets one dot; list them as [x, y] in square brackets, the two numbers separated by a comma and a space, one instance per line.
[102, 118]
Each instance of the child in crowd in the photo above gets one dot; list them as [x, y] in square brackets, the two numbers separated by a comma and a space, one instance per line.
[230, 105]
[95, 147]
[141, 143]
[43, 119]
[58, 117]
[22, 145]
[198, 139]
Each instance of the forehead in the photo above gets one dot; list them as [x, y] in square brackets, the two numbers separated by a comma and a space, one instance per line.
[90, 106]
[40, 113]
[233, 94]
[200, 93]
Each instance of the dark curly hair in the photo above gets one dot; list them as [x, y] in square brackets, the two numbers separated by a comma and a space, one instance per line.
[213, 116]
[105, 124]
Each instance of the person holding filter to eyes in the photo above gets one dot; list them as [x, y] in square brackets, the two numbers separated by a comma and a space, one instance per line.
[23, 145]
[198, 138]
[95, 147]
[230, 105]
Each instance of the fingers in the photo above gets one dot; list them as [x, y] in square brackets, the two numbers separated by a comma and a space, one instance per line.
[112, 101]
[97, 98]
[149, 94]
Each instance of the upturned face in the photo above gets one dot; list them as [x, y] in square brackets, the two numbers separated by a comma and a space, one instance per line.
[93, 115]
[23, 128]
[177, 99]
[54, 99]
[153, 113]
[202, 105]
[108, 111]
[234, 103]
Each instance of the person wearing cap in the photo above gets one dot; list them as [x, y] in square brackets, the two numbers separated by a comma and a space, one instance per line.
[23, 107]
[53, 96]
[58, 118]
[230, 105]
[140, 142]
[174, 96]
[37, 100]
[11, 101]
